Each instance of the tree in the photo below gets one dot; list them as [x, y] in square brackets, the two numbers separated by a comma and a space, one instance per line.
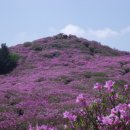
[8, 61]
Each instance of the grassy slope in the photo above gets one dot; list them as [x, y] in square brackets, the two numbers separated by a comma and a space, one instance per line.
[51, 73]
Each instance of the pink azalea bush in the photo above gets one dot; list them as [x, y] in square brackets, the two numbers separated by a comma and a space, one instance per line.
[109, 111]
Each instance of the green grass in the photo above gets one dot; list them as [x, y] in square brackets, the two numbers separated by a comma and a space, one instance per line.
[89, 74]
[64, 79]
[101, 79]
[121, 82]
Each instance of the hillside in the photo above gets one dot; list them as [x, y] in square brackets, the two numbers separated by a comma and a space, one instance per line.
[51, 72]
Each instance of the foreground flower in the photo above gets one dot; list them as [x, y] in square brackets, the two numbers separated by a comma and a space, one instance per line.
[82, 112]
[122, 110]
[65, 126]
[69, 116]
[81, 100]
[30, 127]
[98, 86]
[129, 105]
[110, 120]
[126, 87]
[109, 85]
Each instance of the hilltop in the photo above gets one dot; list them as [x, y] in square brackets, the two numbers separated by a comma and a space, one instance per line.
[50, 73]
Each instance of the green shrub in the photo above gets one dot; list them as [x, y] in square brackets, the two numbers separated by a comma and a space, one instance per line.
[37, 47]
[101, 79]
[125, 70]
[52, 55]
[64, 79]
[8, 61]
[27, 44]
[121, 82]
[90, 74]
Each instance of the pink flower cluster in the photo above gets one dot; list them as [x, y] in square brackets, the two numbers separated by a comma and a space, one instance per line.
[126, 86]
[98, 86]
[111, 112]
[81, 100]
[118, 114]
[108, 85]
[68, 115]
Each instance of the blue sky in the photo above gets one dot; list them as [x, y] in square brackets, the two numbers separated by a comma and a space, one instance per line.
[106, 21]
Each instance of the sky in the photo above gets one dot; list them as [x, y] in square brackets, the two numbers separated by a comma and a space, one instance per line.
[105, 21]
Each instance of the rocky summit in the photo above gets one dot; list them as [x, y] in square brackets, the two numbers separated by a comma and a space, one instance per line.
[50, 73]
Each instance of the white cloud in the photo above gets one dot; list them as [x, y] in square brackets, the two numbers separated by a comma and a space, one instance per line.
[74, 30]
[101, 34]
[93, 34]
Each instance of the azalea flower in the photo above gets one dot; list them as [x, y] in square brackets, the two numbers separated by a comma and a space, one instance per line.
[109, 86]
[69, 116]
[81, 100]
[98, 86]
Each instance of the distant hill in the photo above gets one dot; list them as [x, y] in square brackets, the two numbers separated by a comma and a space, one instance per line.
[51, 72]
